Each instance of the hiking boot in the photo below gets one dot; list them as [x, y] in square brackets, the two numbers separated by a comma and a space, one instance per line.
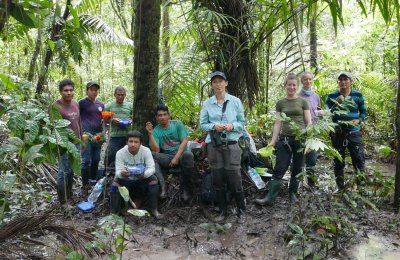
[274, 187]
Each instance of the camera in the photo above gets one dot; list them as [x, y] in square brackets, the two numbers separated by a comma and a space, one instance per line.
[215, 138]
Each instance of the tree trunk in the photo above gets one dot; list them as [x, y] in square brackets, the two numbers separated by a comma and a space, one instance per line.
[146, 60]
[233, 54]
[165, 33]
[5, 7]
[32, 64]
[397, 177]
[55, 35]
[268, 69]
[313, 43]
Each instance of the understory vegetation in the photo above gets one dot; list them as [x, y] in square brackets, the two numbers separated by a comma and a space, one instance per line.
[256, 43]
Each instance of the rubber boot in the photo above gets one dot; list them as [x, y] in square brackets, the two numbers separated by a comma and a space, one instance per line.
[293, 189]
[186, 184]
[339, 175]
[93, 171]
[274, 188]
[311, 177]
[161, 182]
[61, 193]
[153, 201]
[70, 181]
[241, 206]
[85, 177]
[221, 201]
[115, 201]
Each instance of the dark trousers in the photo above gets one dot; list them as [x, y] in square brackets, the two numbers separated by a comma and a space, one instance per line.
[146, 188]
[186, 162]
[289, 149]
[352, 141]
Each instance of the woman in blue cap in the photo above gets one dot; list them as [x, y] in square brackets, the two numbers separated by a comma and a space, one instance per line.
[222, 117]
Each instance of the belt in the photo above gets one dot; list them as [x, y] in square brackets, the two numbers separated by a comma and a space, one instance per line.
[230, 142]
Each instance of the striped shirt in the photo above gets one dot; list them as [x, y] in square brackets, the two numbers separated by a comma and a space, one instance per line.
[353, 107]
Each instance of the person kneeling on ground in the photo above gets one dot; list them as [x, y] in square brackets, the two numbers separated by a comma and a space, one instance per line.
[134, 169]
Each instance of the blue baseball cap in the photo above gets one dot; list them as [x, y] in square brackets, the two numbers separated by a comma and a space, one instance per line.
[218, 73]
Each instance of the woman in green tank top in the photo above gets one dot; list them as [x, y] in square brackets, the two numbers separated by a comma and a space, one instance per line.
[284, 140]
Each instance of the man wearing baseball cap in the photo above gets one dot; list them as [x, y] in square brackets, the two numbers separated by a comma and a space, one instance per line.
[90, 109]
[348, 108]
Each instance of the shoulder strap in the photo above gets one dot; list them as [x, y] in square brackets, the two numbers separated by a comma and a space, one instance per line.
[224, 108]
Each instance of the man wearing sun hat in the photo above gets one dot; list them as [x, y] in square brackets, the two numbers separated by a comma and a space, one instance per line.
[348, 108]
[90, 109]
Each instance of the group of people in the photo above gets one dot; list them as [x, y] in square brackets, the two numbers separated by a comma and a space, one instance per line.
[142, 168]
[168, 141]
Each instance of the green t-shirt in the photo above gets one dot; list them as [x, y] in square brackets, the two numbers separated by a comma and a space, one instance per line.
[123, 110]
[169, 139]
[293, 108]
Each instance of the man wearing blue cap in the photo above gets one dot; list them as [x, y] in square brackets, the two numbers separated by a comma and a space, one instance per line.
[348, 108]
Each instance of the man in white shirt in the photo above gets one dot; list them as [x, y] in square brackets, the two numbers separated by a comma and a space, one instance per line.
[134, 169]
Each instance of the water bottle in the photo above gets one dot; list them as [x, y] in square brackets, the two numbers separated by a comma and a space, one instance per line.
[255, 177]
[97, 190]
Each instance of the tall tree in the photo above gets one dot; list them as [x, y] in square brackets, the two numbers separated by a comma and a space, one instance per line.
[146, 59]
[313, 40]
[233, 53]
[397, 176]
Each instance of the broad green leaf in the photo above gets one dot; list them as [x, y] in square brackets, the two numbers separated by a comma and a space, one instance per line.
[385, 150]
[62, 123]
[7, 181]
[9, 148]
[124, 193]
[139, 212]
[16, 141]
[266, 151]
[31, 131]
[23, 16]
[32, 154]
[297, 229]
[7, 82]
[16, 123]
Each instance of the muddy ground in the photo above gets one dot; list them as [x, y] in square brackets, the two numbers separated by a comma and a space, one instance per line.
[179, 235]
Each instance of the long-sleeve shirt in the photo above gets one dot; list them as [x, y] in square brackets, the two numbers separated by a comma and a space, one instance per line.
[314, 102]
[353, 107]
[211, 114]
[124, 158]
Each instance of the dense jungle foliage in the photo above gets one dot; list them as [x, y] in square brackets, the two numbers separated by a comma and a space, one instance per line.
[256, 42]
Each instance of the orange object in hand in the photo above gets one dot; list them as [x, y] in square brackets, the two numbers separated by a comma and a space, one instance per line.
[107, 114]
[98, 137]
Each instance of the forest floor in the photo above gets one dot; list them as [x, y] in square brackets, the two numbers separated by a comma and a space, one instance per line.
[180, 235]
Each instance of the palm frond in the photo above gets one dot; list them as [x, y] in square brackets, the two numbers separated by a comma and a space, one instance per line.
[100, 32]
